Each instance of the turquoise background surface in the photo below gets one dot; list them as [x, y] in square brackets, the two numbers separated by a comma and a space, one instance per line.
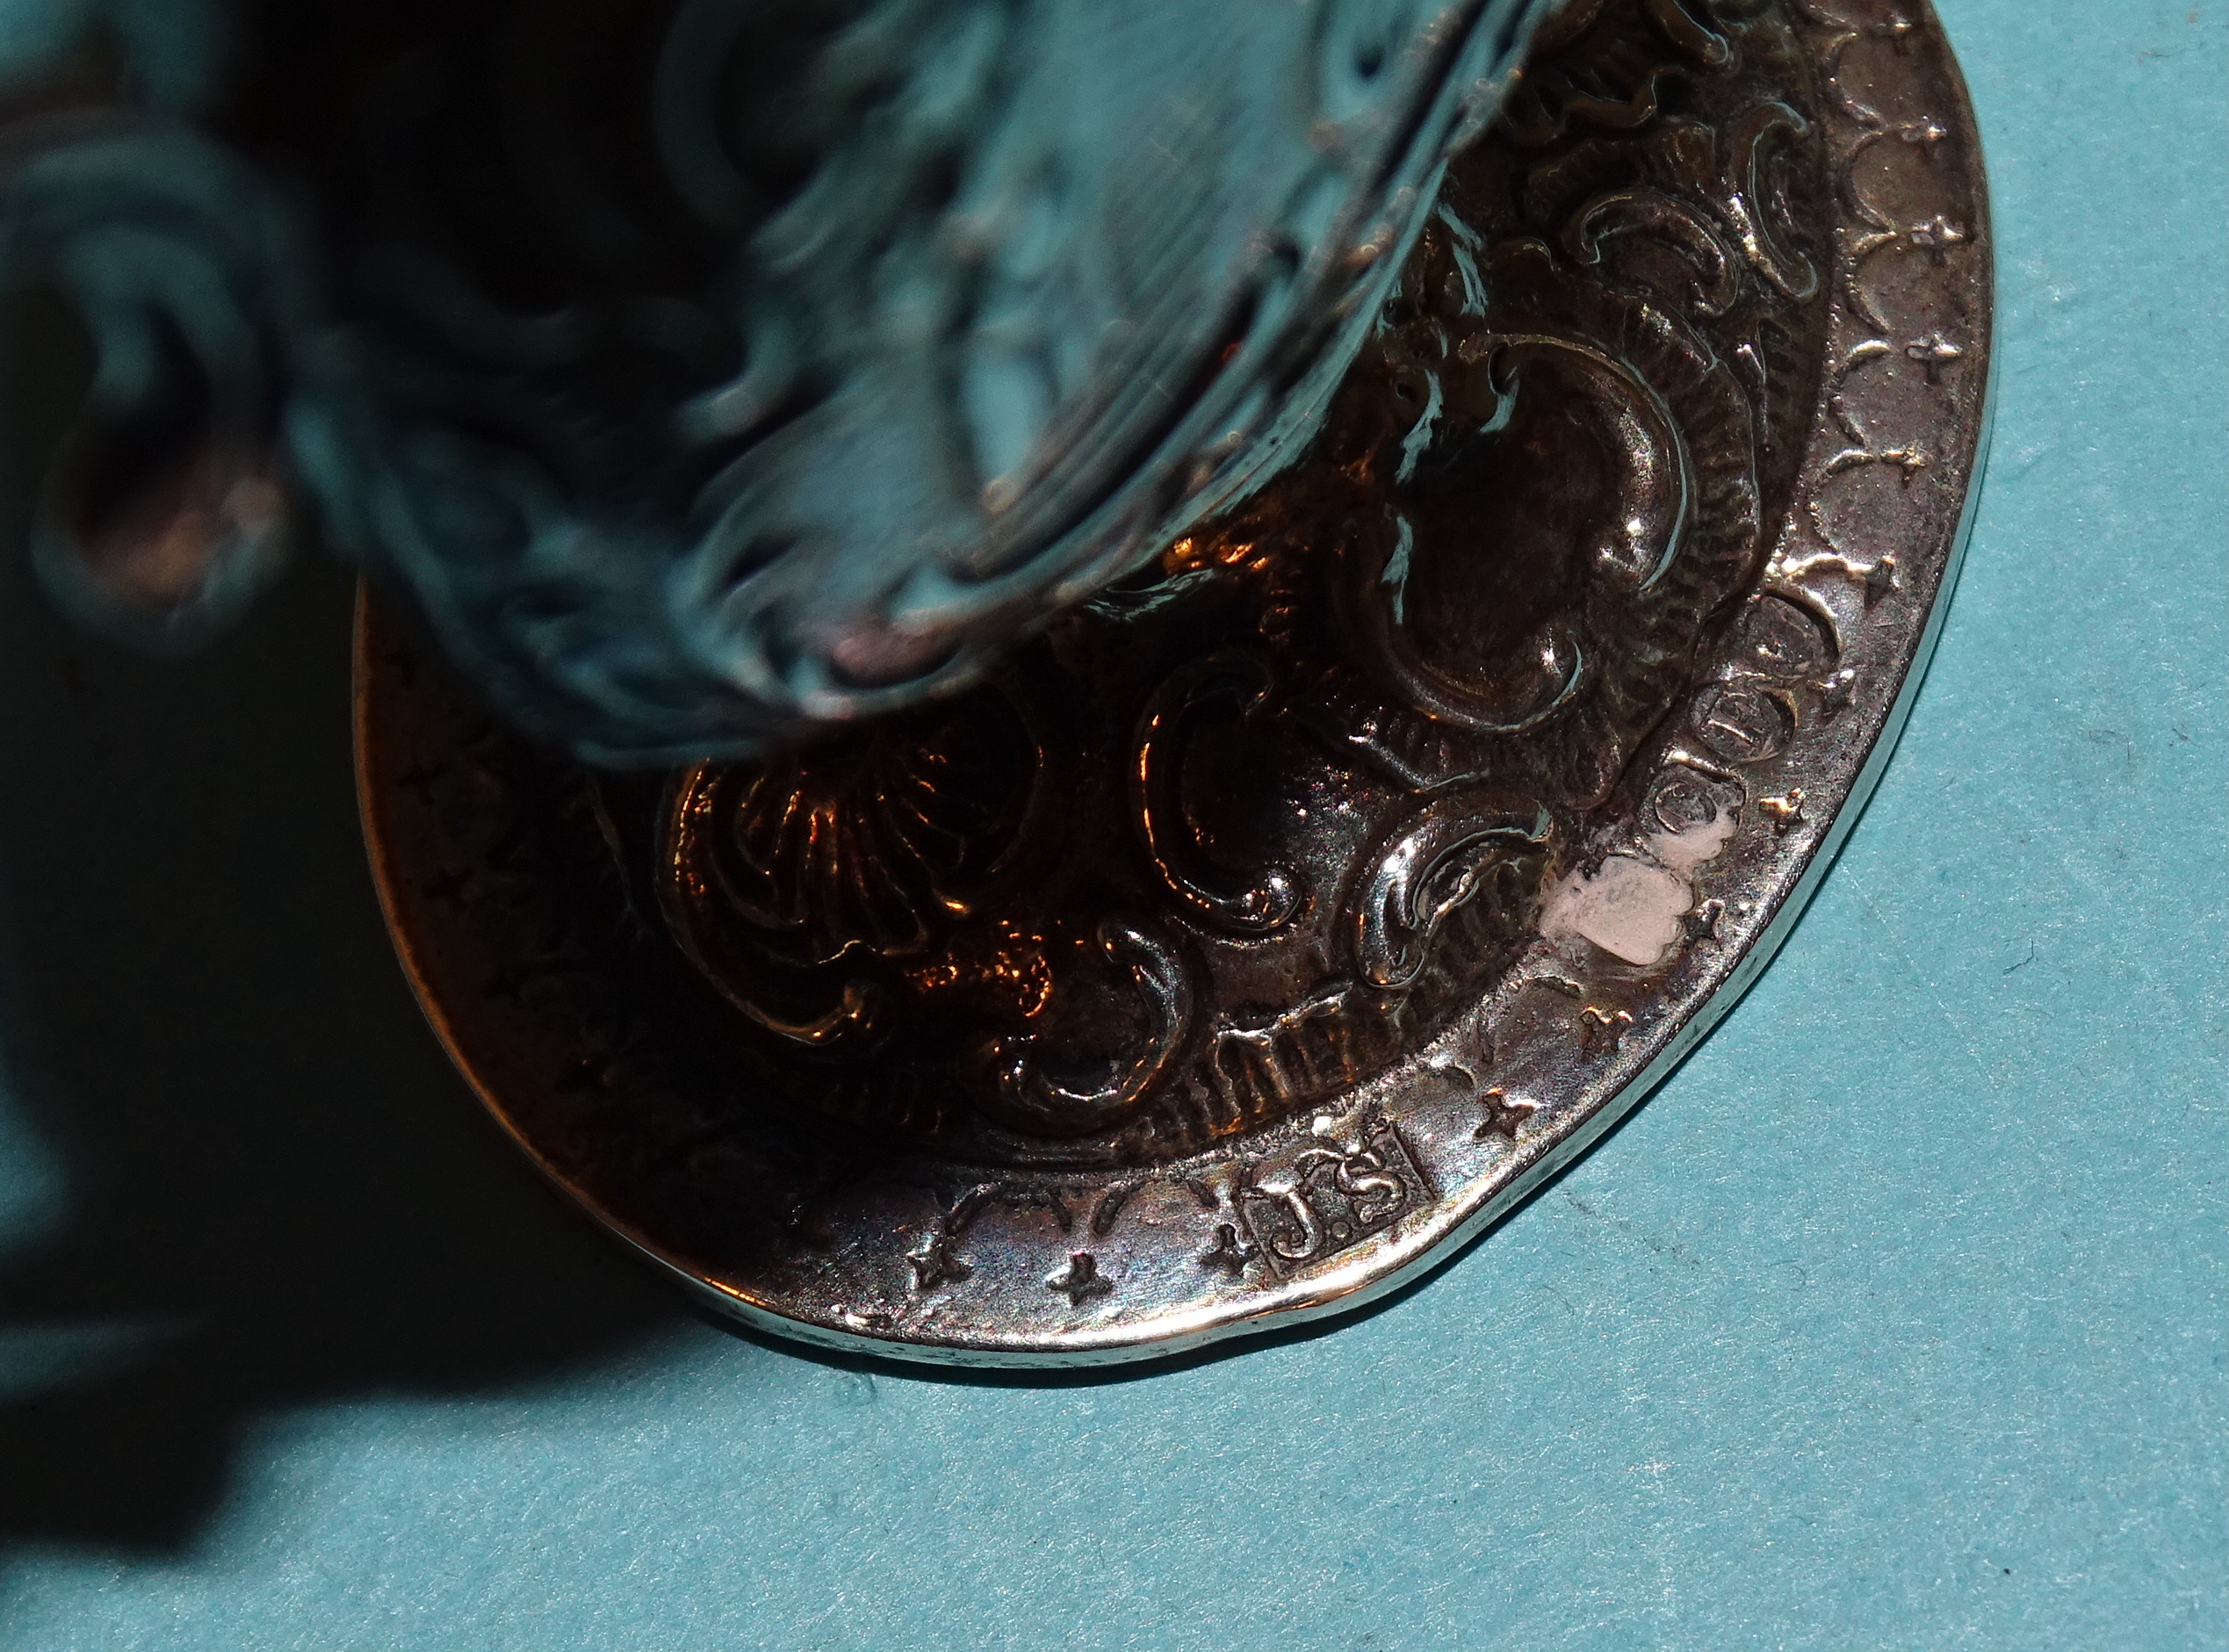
[1895, 1320]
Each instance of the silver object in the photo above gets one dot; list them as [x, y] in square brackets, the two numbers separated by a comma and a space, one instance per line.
[1272, 927]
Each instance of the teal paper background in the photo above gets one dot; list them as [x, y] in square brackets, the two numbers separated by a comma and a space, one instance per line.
[1895, 1320]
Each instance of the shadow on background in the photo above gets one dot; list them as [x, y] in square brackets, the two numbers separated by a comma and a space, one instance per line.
[268, 1164]
[272, 1178]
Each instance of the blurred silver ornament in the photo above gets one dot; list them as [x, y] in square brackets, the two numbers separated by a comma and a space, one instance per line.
[713, 373]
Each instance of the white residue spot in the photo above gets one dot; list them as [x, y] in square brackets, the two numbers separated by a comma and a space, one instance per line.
[1632, 906]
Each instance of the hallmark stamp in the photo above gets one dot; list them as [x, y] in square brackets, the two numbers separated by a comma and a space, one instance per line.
[1331, 1195]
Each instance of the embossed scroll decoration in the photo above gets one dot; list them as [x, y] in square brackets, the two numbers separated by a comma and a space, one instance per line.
[1286, 910]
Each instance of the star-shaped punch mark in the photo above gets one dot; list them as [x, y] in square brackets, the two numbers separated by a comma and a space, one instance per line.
[1910, 463]
[1934, 353]
[1834, 694]
[1503, 1116]
[933, 1262]
[1925, 135]
[1229, 1252]
[1938, 237]
[1080, 1281]
[1604, 1027]
[1783, 812]
[1703, 923]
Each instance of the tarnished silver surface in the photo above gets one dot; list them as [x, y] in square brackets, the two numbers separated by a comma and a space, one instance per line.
[1277, 922]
